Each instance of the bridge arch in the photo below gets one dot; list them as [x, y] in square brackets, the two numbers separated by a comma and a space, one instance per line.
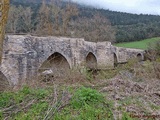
[139, 57]
[56, 62]
[91, 61]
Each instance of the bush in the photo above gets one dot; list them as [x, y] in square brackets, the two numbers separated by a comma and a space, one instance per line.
[86, 96]
[86, 104]
[153, 51]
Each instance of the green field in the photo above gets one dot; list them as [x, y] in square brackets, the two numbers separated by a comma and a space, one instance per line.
[143, 44]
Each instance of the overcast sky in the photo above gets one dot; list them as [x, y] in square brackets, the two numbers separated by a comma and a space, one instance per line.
[130, 6]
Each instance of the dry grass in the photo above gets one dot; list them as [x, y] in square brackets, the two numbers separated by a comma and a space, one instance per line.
[135, 97]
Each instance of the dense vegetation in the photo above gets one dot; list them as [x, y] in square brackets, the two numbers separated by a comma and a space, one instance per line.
[28, 103]
[129, 27]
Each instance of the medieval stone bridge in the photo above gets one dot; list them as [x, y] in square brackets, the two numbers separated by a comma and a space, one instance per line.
[27, 56]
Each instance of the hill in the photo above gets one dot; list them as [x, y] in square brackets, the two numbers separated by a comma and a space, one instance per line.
[129, 27]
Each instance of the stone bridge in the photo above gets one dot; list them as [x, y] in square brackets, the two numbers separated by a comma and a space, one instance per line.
[26, 56]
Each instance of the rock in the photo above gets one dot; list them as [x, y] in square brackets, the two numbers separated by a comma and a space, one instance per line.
[46, 72]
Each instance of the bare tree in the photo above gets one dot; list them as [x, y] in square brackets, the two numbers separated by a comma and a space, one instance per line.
[97, 28]
[67, 13]
[27, 19]
[13, 17]
[56, 14]
[62, 16]
[54, 18]
[45, 25]
[19, 19]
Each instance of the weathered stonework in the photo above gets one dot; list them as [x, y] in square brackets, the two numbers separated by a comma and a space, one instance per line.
[124, 54]
[24, 55]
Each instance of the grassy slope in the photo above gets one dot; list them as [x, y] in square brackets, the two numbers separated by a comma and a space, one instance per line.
[143, 44]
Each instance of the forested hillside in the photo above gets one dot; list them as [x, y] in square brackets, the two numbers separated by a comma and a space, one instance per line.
[124, 26]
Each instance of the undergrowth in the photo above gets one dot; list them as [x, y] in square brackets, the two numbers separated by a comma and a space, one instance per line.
[29, 103]
[24, 104]
[86, 104]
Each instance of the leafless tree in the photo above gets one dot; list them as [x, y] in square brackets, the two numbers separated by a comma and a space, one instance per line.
[54, 19]
[27, 19]
[13, 17]
[19, 19]
[97, 28]
[45, 26]
[67, 13]
[56, 13]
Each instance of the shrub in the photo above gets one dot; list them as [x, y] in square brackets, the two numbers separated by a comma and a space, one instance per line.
[86, 96]
[86, 104]
[153, 51]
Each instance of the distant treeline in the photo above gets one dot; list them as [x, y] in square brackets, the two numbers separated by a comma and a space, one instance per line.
[129, 27]
[124, 26]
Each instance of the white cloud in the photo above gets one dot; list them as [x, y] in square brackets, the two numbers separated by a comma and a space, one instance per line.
[130, 6]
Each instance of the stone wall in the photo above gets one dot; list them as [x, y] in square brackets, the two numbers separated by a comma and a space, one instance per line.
[124, 54]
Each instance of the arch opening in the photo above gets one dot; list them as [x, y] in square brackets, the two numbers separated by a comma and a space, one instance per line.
[4, 84]
[115, 60]
[91, 61]
[139, 57]
[56, 64]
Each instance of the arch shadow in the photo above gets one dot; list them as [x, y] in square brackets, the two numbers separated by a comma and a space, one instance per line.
[115, 60]
[4, 83]
[91, 61]
[55, 63]
[139, 57]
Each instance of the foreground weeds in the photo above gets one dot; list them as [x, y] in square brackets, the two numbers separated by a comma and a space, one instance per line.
[86, 103]
[15, 105]
[128, 92]
[55, 103]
